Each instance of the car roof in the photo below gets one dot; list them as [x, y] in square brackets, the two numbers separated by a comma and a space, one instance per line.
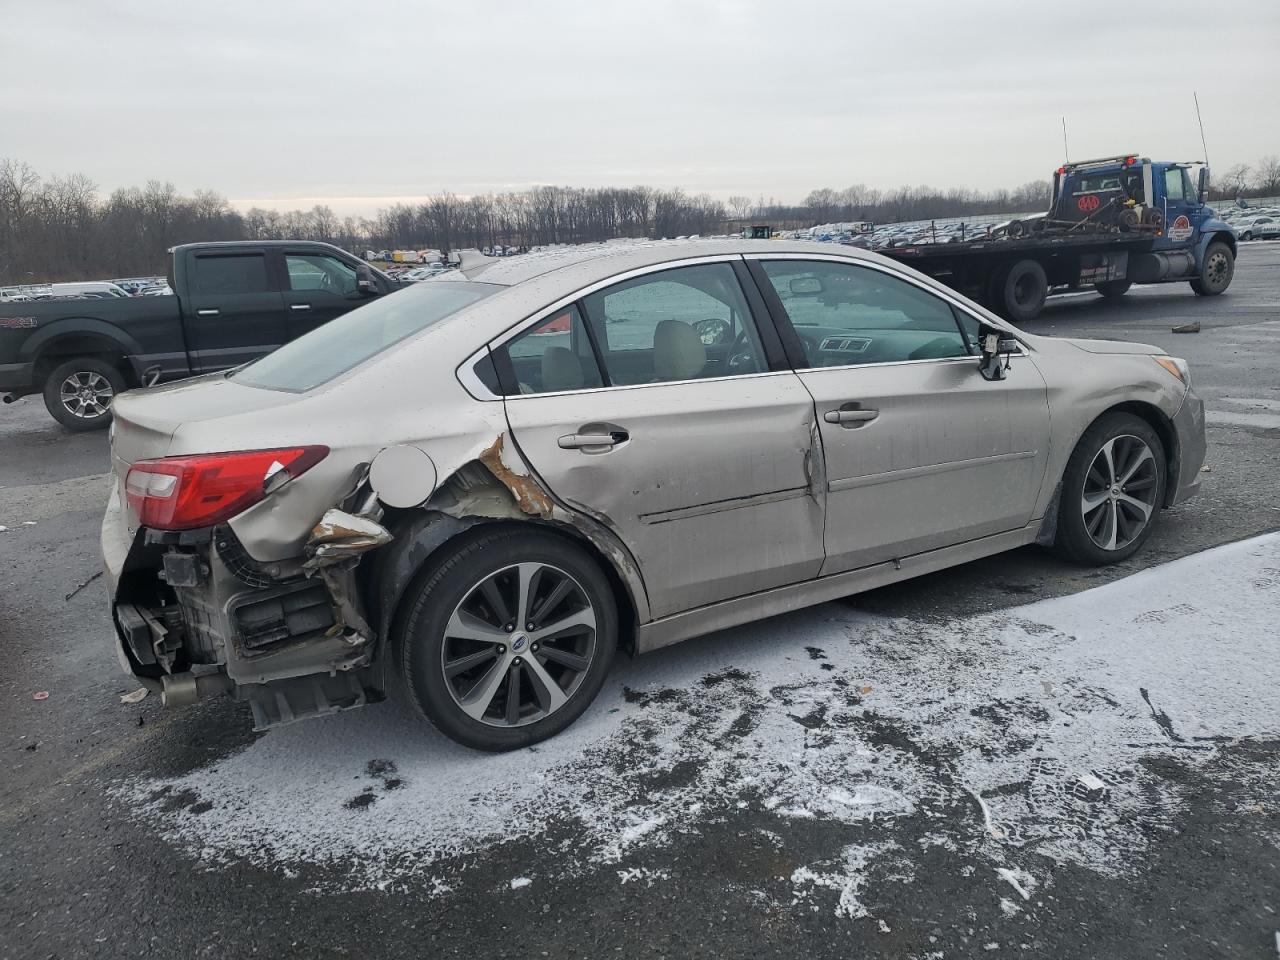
[587, 263]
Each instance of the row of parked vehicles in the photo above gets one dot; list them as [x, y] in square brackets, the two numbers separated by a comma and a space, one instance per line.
[87, 290]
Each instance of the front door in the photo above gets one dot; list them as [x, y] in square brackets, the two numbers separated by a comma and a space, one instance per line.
[673, 431]
[320, 288]
[1182, 208]
[232, 313]
[921, 452]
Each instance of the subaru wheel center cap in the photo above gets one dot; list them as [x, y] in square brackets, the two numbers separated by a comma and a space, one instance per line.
[519, 642]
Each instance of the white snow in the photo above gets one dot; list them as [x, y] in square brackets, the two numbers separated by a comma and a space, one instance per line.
[518, 882]
[1171, 661]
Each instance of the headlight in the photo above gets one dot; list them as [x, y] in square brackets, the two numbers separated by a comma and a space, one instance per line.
[1177, 366]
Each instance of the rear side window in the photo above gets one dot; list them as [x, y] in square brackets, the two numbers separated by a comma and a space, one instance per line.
[554, 356]
[236, 273]
[342, 344]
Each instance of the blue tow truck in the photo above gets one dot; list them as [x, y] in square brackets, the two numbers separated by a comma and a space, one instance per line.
[1114, 222]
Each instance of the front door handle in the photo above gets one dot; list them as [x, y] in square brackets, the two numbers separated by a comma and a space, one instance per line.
[850, 416]
[208, 312]
[587, 441]
[299, 306]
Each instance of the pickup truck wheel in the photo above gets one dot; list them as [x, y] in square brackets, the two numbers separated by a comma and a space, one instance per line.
[1113, 289]
[1112, 491]
[1216, 272]
[1021, 291]
[79, 392]
[509, 638]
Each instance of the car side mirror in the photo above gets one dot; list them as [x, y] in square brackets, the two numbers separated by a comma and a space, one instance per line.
[366, 282]
[996, 349]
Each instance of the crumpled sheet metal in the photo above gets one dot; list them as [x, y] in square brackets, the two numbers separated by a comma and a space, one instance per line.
[342, 536]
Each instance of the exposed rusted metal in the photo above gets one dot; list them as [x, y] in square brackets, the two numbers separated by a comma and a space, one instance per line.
[530, 496]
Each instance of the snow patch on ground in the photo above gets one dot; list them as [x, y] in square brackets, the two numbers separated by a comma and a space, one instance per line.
[977, 732]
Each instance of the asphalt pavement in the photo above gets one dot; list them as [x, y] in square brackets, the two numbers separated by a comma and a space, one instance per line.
[806, 786]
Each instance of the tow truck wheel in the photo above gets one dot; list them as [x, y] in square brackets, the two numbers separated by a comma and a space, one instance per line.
[1216, 272]
[1020, 291]
[79, 392]
[1113, 289]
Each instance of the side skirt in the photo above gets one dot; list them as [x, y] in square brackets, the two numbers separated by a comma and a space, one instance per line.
[770, 603]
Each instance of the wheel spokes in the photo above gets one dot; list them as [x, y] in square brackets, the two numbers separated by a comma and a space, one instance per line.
[475, 703]
[550, 696]
[467, 626]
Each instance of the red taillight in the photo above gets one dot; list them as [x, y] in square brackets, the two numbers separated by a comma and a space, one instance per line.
[184, 493]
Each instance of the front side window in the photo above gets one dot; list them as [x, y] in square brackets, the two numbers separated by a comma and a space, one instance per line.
[233, 273]
[317, 272]
[344, 343]
[554, 356]
[1173, 184]
[846, 314]
[687, 323]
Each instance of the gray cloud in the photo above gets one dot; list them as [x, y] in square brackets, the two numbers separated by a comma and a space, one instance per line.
[288, 102]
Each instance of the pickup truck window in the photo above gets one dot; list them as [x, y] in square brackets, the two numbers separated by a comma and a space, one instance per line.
[230, 273]
[318, 272]
[345, 343]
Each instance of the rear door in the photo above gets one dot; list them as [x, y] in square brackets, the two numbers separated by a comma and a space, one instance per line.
[319, 287]
[921, 452]
[233, 311]
[691, 440]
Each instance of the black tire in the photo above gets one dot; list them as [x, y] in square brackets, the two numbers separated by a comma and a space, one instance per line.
[455, 581]
[99, 383]
[1246, 235]
[1216, 271]
[1020, 291]
[1082, 533]
[1113, 289]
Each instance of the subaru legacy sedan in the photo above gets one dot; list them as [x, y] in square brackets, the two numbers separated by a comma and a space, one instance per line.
[478, 489]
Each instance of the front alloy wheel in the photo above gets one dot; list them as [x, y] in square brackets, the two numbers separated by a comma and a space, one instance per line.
[1119, 493]
[1112, 490]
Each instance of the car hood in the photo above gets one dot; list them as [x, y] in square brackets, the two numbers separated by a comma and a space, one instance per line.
[1114, 347]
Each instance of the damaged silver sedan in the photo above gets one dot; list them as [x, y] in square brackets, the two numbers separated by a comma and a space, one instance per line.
[478, 489]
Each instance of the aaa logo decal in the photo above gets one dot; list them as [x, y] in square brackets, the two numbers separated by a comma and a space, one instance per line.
[1089, 203]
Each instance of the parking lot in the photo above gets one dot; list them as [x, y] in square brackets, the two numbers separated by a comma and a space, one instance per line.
[1013, 758]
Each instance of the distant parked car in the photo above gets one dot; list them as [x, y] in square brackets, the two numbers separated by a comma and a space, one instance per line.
[1260, 228]
[102, 288]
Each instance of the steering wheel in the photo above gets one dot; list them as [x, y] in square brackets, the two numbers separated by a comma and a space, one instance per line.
[742, 358]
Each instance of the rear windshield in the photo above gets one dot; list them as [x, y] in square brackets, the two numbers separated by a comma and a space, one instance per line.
[354, 337]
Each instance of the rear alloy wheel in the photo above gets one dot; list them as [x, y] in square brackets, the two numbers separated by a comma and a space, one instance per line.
[79, 393]
[1112, 491]
[1113, 289]
[510, 639]
[1217, 270]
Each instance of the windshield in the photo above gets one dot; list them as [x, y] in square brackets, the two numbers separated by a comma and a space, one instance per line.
[354, 337]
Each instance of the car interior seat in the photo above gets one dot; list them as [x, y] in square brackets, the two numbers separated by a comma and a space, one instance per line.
[678, 352]
[561, 370]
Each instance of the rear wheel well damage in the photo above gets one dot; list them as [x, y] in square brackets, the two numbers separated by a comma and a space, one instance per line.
[475, 501]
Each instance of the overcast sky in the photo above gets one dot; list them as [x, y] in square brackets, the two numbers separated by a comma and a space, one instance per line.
[357, 105]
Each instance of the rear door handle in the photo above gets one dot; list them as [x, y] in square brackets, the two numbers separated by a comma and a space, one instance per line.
[850, 416]
[299, 306]
[208, 312]
[581, 441]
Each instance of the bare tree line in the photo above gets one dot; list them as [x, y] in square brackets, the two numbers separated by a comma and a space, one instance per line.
[61, 228]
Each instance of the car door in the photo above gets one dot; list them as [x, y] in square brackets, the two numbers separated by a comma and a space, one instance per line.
[921, 452]
[1182, 209]
[319, 288]
[699, 459]
[233, 312]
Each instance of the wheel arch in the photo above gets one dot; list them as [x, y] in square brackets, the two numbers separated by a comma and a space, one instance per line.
[423, 535]
[81, 343]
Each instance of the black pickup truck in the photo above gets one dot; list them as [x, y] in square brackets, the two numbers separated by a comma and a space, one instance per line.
[233, 303]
